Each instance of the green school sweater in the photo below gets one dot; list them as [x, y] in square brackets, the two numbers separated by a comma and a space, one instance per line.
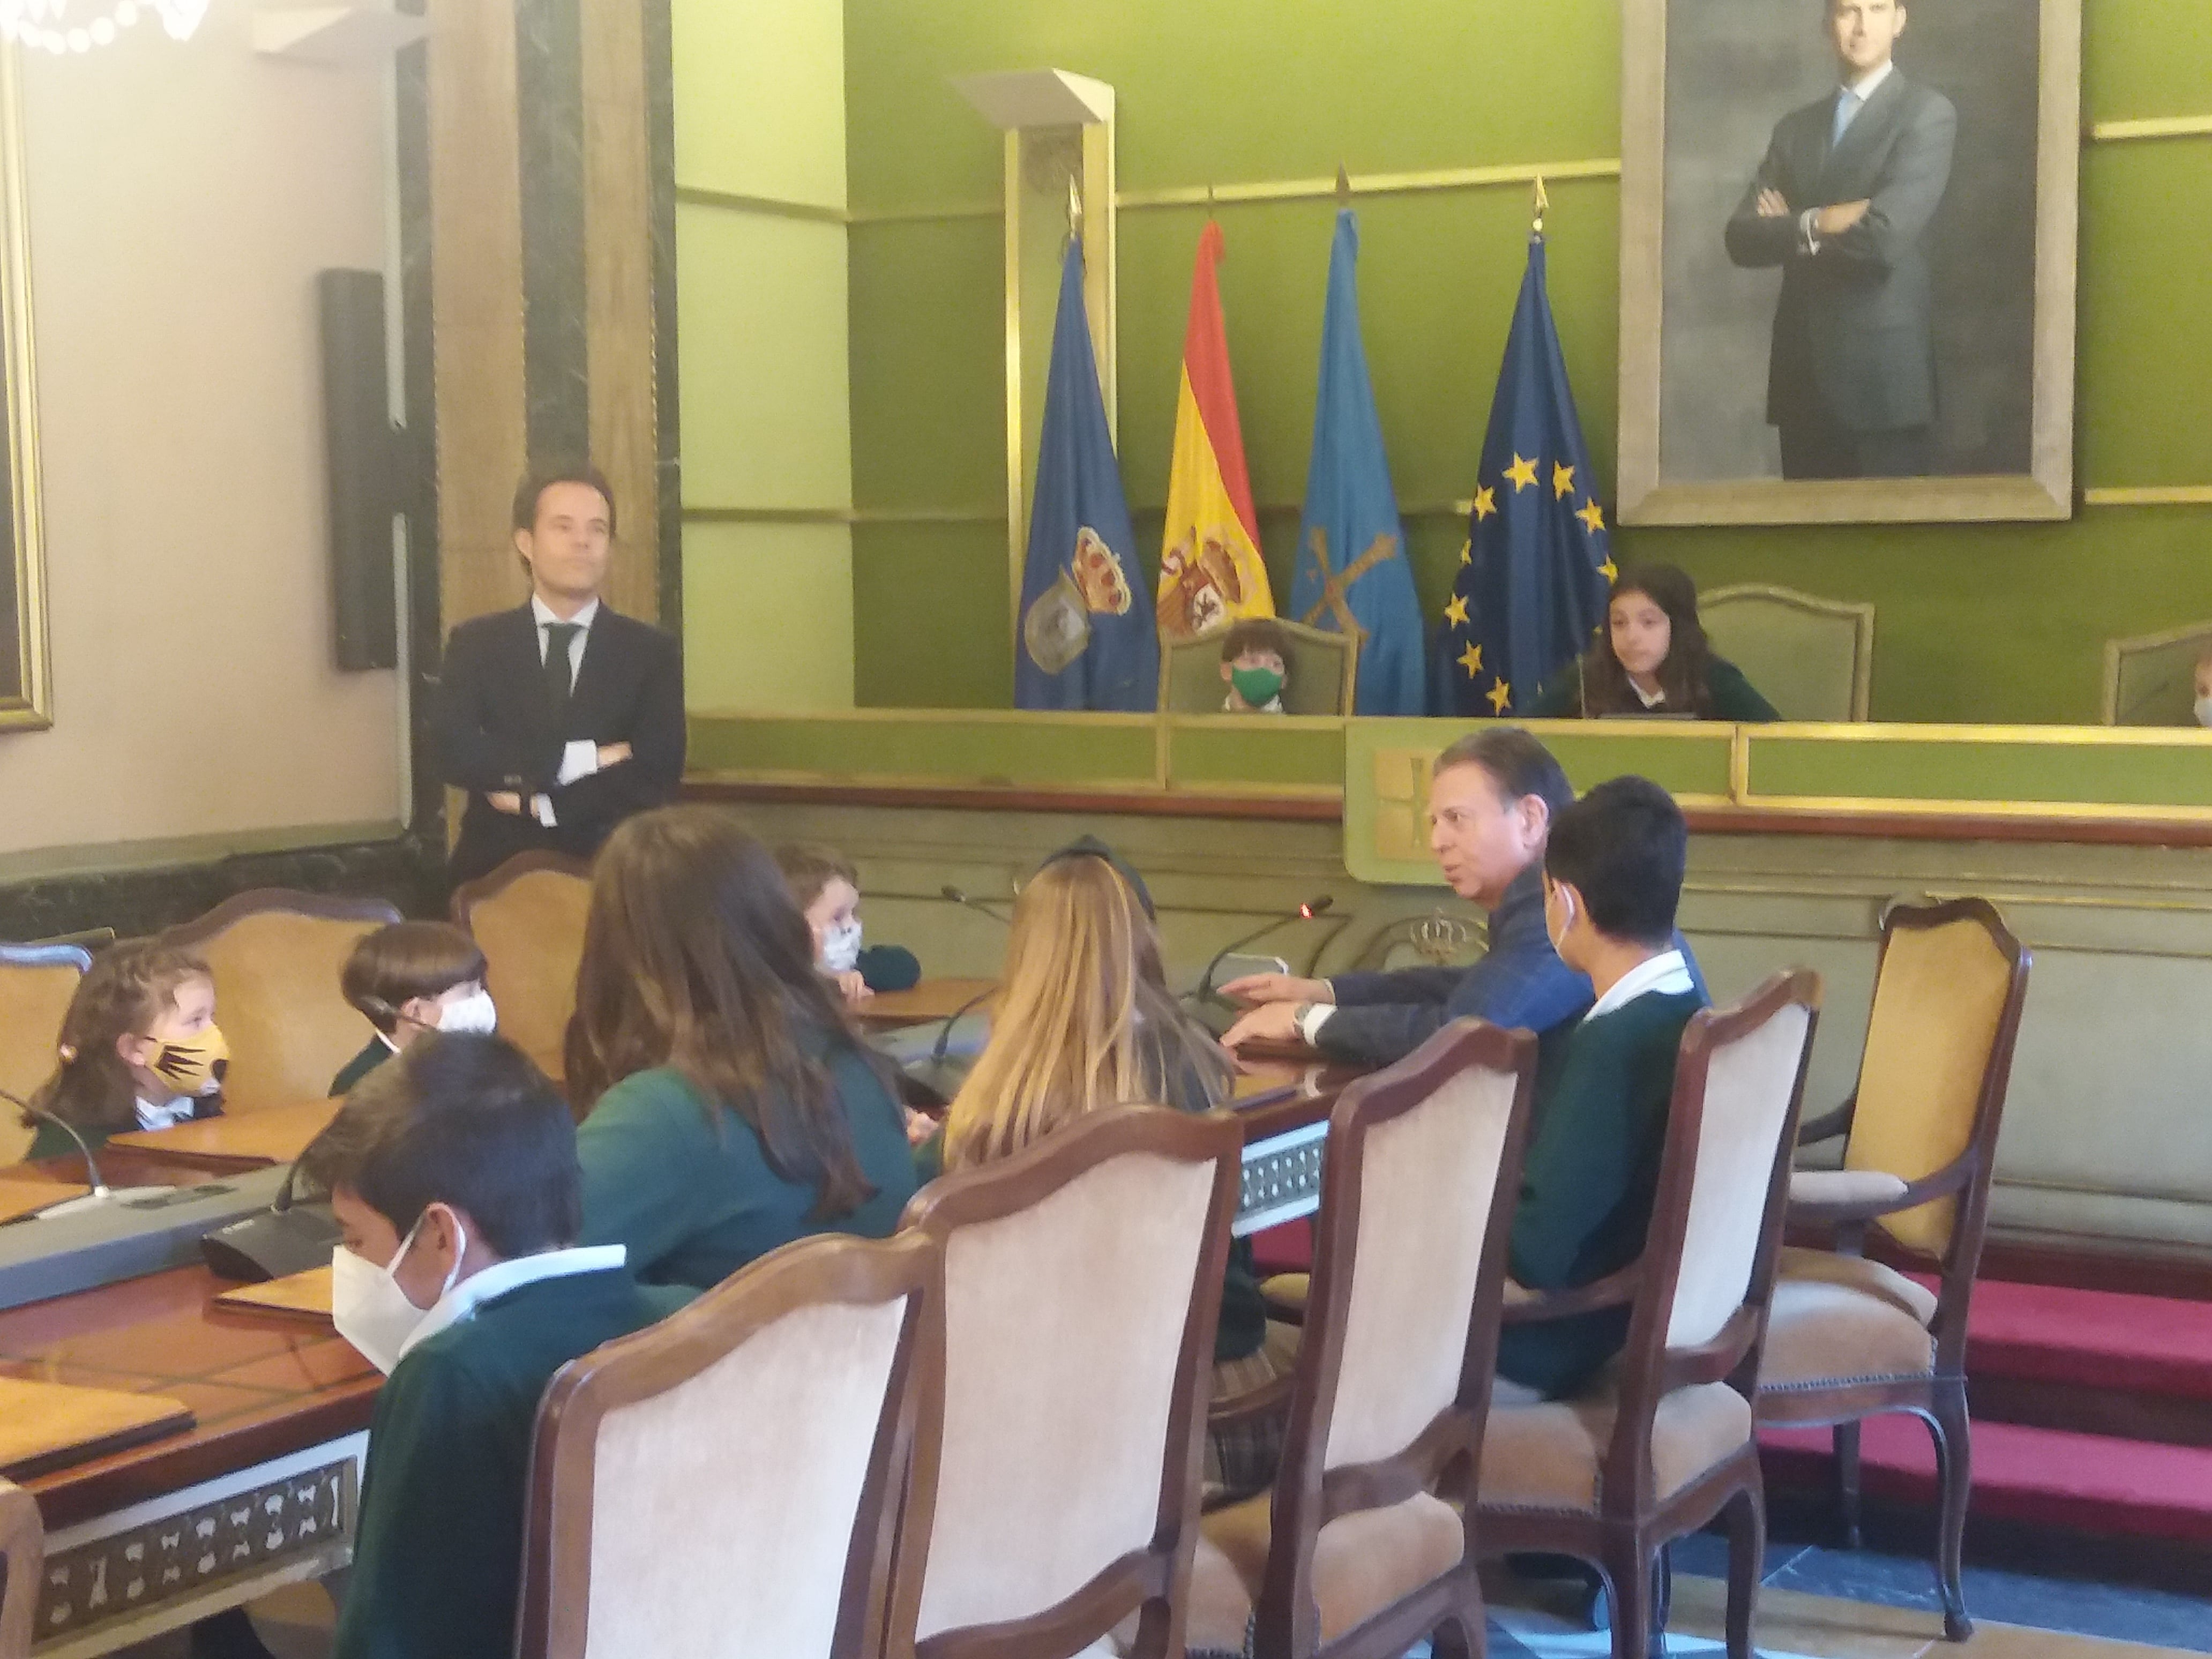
[686, 1185]
[438, 1550]
[1735, 697]
[1592, 1173]
[360, 1066]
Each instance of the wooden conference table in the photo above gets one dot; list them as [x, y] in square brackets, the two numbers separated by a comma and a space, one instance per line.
[261, 1489]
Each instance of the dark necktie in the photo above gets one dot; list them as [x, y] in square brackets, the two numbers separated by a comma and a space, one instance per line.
[558, 680]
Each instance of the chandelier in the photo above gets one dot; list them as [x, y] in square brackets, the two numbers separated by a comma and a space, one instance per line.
[65, 25]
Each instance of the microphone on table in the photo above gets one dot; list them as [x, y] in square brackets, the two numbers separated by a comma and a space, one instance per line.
[101, 1192]
[932, 1073]
[1306, 912]
[953, 895]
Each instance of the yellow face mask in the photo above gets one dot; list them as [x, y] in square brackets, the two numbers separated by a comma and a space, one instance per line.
[192, 1065]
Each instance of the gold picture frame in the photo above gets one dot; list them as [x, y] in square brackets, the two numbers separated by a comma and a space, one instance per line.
[25, 699]
[1658, 483]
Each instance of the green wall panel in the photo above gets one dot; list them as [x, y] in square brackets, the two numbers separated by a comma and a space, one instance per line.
[1995, 623]
[1008, 750]
[1253, 750]
[929, 616]
[768, 615]
[2086, 770]
[759, 98]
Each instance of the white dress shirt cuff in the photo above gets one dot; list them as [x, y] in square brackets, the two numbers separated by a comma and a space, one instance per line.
[1808, 241]
[579, 759]
[1311, 1021]
[541, 808]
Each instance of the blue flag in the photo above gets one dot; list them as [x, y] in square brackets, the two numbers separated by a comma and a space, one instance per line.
[1532, 578]
[1087, 637]
[1351, 575]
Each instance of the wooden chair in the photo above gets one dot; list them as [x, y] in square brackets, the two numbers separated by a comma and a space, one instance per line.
[1661, 1441]
[1356, 1554]
[22, 1552]
[1082, 1287]
[1851, 1337]
[1812, 657]
[36, 984]
[527, 916]
[1322, 670]
[734, 1479]
[275, 954]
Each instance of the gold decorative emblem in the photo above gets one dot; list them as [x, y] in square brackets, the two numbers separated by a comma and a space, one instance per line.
[1438, 937]
[1098, 574]
[1198, 589]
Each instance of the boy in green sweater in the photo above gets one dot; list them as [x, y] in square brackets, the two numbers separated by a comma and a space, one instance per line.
[452, 1170]
[1613, 878]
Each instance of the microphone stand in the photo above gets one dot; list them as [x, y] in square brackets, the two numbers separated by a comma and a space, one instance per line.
[1305, 912]
[953, 895]
[931, 1073]
[101, 1192]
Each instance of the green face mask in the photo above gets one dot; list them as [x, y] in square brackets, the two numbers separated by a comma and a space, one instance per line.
[1257, 686]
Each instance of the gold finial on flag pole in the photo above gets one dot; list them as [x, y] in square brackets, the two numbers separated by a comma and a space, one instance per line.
[1209, 204]
[1343, 186]
[1542, 203]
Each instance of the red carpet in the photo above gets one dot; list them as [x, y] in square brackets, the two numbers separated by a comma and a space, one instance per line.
[2150, 1343]
[2088, 1482]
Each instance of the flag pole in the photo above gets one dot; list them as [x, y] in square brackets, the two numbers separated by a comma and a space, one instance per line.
[1543, 202]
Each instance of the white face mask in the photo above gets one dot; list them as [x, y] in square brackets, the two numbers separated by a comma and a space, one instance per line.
[473, 1012]
[2204, 711]
[374, 1313]
[841, 947]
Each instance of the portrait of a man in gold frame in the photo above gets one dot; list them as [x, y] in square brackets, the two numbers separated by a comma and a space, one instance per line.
[25, 698]
[1915, 341]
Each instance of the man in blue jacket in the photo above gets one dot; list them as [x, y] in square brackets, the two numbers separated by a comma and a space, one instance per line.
[1492, 796]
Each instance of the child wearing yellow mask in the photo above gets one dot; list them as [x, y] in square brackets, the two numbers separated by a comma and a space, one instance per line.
[139, 1049]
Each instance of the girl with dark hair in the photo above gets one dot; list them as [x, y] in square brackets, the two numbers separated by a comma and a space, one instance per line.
[730, 1107]
[1652, 658]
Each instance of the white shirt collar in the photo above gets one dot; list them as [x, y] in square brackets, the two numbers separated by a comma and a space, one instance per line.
[1864, 88]
[166, 1114]
[384, 1037]
[1649, 699]
[1666, 973]
[502, 1277]
[541, 614]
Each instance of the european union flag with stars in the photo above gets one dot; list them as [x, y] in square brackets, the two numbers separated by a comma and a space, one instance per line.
[1533, 577]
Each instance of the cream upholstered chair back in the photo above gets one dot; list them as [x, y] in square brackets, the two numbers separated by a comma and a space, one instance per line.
[527, 917]
[1083, 1282]
[1812, 657]
[36, 984]
[1754, 1080]
[1416, 1152]
[1938, 1052]
[1318, 678]
[275, 956]
[733, 1480]
[22, 1552]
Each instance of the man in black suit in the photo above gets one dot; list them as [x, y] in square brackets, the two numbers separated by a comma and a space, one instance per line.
[1843, 203]
[559, 718]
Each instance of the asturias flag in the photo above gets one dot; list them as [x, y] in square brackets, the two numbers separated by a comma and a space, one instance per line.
[1535, 574]
[1210, 568]
[1351, 571]
[1084, 642]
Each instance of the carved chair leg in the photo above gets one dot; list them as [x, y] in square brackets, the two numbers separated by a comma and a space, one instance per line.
[1627, 1573]
[1954, 1475]
[1847, 1481]
[1746, 1529]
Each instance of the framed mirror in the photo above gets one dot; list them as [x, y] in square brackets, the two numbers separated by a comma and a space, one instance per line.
[25, 693]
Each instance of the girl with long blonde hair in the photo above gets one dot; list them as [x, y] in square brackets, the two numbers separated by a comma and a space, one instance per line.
[1085, 1021]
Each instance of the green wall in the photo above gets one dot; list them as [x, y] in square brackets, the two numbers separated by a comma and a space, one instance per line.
[1997, 623]
[762, 316]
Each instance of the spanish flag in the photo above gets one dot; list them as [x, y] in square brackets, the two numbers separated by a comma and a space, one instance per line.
[1210, 567]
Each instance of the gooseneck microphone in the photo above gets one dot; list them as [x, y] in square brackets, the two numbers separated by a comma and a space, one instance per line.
[99, 1188]
[953, 895]
[1306, 912]
[101, 1192]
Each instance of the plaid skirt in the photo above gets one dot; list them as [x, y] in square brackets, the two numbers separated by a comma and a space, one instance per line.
[1241, 1460]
